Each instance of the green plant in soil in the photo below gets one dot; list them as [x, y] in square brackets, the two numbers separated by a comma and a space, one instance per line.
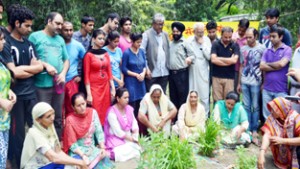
[166, 153]
[208, 139]
[245, 161]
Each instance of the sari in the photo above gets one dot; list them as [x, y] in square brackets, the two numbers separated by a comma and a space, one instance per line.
[116, 127]
[190, 123]
[284, 155]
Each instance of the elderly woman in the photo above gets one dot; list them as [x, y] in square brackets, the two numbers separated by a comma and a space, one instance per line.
[82, 129]
[232, 115]
[156, 110]
[121, 129]
[41, 146]
[191, 118]
[281, 132]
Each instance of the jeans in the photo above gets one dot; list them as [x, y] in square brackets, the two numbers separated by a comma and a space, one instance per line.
[251, 94]
[267, 97]
[3, 147]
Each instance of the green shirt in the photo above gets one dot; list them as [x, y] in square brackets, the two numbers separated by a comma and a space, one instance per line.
[52, 50]
[4, 88]
[238, 114]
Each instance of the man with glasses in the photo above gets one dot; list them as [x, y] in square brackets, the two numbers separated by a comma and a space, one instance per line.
[224, 55]
[199, 69]
[156, 46]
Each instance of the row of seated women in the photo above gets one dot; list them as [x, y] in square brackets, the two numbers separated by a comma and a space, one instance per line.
[86, 145]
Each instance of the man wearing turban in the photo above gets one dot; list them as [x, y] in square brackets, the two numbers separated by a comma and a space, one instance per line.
[181, 57]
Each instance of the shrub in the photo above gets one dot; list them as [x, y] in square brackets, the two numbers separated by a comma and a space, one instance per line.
[208, 139]
[161, 152]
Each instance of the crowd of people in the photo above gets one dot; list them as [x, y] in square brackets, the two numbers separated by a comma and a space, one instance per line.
[86, 96]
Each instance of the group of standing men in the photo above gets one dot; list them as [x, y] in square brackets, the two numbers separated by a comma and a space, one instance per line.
[57, 51]
[235, 62]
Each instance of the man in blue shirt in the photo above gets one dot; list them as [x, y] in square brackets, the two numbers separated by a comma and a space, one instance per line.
[272, 17]
[76, 53]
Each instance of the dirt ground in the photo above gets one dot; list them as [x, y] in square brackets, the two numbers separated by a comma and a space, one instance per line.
[222, 160]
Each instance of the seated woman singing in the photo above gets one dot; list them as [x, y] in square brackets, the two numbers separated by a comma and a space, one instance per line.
[41, 146]
[82, 128]
[191, 118]
[159, 109]
[121, 129]
[232, 115]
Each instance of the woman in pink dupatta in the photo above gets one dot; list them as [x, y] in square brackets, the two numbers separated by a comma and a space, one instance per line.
[281, 132]
[121, 129]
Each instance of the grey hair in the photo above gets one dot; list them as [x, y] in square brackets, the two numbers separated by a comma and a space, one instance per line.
[68, 23]
[158, 17]
[226, 29]
[199, 25]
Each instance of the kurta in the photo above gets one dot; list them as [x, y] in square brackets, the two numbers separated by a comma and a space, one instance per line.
[117, 126]
[88, 146]
[135, 63]
[232, 121]
[98, 74]
[182, 126]
[199, 70]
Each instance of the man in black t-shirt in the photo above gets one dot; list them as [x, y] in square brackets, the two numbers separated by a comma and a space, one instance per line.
[224, 55]
[19, 56]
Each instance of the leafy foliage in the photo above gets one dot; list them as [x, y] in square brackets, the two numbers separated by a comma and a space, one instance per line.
[208, 139]
[141, 11]
[160, 152]
[244, 161]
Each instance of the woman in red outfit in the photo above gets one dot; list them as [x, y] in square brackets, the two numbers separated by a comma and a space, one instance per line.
[97, 76]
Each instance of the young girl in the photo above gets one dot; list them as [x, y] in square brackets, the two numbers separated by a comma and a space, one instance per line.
[115, 55]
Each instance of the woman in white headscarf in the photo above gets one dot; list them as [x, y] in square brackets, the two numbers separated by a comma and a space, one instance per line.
[191, 118]
[156, 110]
[41, 146]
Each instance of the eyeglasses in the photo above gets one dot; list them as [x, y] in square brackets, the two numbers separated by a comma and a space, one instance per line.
[159, 24]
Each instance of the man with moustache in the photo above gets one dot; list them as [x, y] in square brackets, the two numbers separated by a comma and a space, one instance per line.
[51, 50]
[125, 41]
[275, 64]
[199, 70]
[180, 58]
[224, 55]
[272, 18]
[83, 35]
[76, 53]
[19, 56]
[156, 47]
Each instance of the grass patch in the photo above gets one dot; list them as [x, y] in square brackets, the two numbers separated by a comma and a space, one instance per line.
[161, 152]
[208, 139]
